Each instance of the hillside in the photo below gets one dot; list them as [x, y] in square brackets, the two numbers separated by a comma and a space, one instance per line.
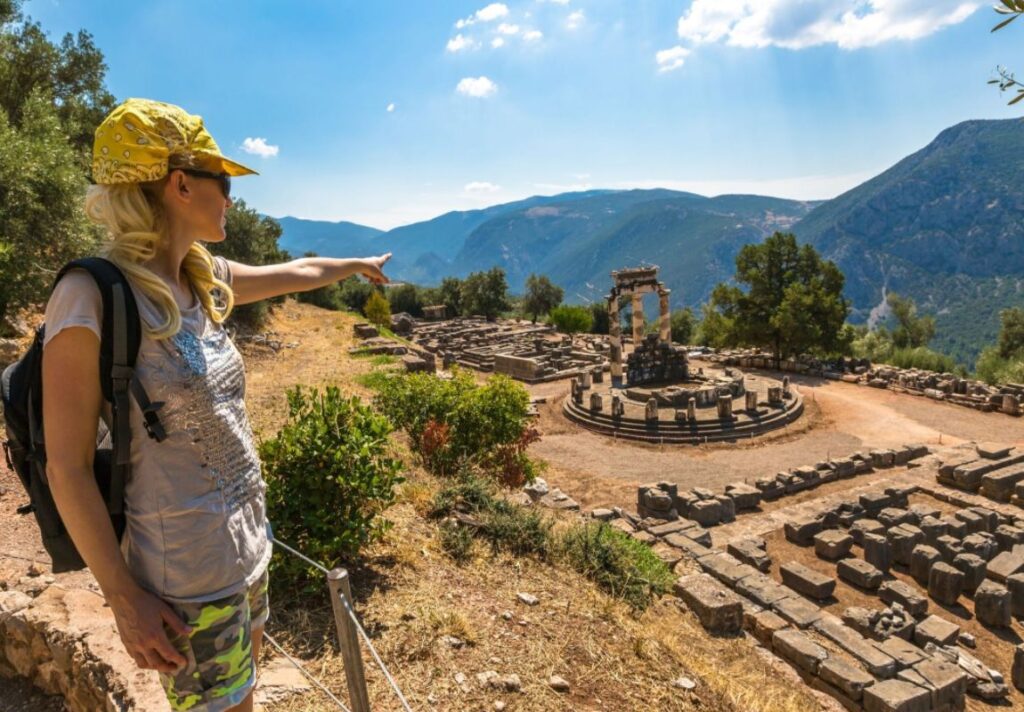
[692, 238]
[943, 225]
[301, 236]
[422, 251]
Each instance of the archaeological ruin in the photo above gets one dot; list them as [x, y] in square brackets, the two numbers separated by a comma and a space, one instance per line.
[657, 398]
[898, 594]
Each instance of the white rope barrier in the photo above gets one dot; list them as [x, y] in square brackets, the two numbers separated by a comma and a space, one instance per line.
[376, 657]
[305, 672]
[351, 613]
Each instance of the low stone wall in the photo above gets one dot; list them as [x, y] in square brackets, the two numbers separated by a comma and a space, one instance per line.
[66, 643]
[1007, 398]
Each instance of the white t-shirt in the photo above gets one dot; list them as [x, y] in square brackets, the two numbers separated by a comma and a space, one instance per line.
[195, 510]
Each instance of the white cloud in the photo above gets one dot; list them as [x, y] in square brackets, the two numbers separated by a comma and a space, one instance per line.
[532, 35]
[575, 19]
[459, 43]
[498, 42]
[796, 24]
[672, 58]
[480, 187]
[494, 11]
[480, 87]
[259, 147]
[507, 29]
[391, 107]
[559, 2]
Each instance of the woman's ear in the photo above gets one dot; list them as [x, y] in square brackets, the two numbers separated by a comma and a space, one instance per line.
[177, 189]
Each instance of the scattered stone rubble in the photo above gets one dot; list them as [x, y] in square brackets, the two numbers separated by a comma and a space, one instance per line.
[899, 656]
[413, 360]
[1005, 398]
[662, 500]
[528, 352]
[994, 471]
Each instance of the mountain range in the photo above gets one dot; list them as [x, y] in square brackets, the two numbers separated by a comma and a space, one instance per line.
[943, 225]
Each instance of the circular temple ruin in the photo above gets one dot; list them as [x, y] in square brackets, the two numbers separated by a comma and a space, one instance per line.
[657, 398]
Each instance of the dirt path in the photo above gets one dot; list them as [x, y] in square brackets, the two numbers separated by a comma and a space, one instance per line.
[841, 419]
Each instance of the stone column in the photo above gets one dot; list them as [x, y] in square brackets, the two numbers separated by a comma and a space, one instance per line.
[725, 407]
[751, 400]
[596, 402]
[618, 407]
[638, 319]
[785, 386]
[585, 380]
[664, 317]
[774, 395]
[691, 409]
[598, 374]
[651, 410]
[615, 336]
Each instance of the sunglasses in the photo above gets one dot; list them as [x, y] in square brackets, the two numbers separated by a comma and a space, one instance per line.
[223, 178]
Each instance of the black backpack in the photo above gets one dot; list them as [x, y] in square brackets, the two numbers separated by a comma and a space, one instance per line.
[22, 390]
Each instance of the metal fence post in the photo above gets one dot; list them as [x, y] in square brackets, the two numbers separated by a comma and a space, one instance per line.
[348, 640]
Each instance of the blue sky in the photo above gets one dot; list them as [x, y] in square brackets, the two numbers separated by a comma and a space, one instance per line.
[389, 112]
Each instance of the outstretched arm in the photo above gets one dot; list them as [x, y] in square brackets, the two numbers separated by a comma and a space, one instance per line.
[251, 283]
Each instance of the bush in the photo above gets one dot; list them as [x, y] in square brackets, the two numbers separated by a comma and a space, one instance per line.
[507, 527]
[329, 476]
[599, 317]
[922, 358]
[252, 240]
[571, 319]
[993, 368]
[406, 298]
[457, 541]
[684, 325]
[454, 421]
[619, 564]
[377, 309]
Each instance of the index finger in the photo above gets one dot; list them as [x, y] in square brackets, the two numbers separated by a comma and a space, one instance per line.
[163, 647]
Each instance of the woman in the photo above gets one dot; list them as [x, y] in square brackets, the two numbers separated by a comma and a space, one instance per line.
[188, 584]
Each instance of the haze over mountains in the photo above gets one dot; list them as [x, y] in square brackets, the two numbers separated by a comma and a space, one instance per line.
[944, 225]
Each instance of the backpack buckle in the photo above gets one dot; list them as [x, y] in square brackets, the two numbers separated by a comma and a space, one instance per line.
[151, 421]
[121, 377]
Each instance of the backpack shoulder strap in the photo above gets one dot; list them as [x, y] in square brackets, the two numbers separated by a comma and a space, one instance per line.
[119, 349]
[121, 328]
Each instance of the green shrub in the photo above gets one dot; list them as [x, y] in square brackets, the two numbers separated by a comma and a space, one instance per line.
[507, 527]
[571, 319]
[456, 420]
[377, 309]
[518, 530]
[993, 368]
[457, 541]
[329, 476]
[923, 358]
[467, 494]
[619, 564]
[326, 297]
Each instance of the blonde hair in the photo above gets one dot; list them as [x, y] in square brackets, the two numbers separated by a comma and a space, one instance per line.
[136, 225]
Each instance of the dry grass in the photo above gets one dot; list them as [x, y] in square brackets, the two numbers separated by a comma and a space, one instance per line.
[411, 597]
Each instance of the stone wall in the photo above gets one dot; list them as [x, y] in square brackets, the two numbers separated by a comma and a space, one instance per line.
[66, 643]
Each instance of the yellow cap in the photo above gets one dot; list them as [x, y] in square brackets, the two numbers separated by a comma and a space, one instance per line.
[136, 141]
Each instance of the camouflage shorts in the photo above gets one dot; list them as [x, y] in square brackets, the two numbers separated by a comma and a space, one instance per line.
[221, 671]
